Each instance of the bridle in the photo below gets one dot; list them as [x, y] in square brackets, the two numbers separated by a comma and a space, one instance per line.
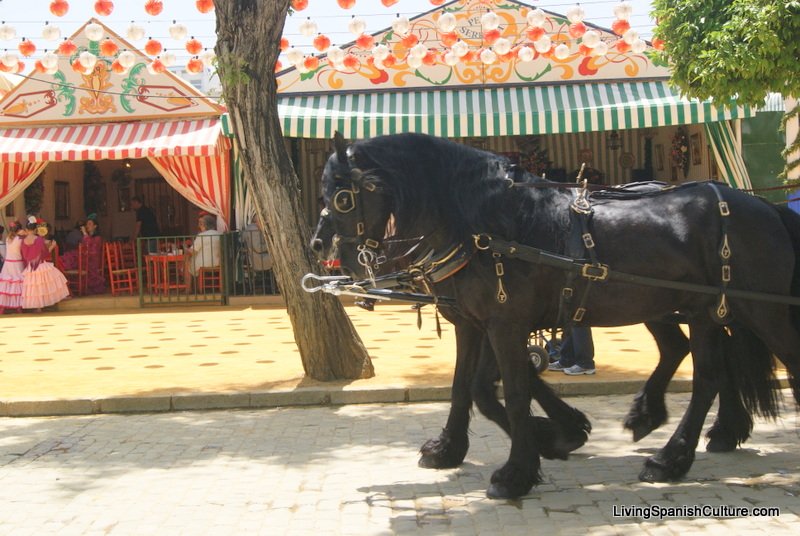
[346, 200]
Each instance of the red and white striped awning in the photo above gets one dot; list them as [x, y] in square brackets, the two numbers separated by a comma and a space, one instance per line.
[113, 141]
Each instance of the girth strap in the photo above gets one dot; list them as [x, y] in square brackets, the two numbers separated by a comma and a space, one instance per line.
[724, 252]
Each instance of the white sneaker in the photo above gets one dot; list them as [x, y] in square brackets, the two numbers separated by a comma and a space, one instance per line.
[577, 370]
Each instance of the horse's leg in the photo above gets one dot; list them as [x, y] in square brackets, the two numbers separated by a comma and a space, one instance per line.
[521, 471]
[484, 391]
[450, 448]
[675, 458]
[648, 410]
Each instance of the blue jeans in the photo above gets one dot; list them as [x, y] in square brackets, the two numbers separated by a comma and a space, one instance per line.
[577, 348]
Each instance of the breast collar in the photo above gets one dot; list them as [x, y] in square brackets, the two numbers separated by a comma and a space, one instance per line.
[436, 267]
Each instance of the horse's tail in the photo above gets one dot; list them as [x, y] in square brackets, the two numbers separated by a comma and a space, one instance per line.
[750, 369]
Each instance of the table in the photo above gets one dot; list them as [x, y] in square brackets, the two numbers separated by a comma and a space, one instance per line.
[166, 272]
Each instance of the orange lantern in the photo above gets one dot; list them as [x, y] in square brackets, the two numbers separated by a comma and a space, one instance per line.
[194, 65]
[350, 61]
[389, 3]
[117, 67]
[490, 36]
[20, 66]
[205, 6]
[658, 44]
[321, 43]
[410, 40]
[103, 7]
[158, 66]
[194, 46]
[78, 67]
[284, 44]
[583, 49]
[430, 57]
[449, 39]
[39, 67]
[470, 56]
[153, 47]
[535, 33]
[346, 4]
[365, 41]
[311, 63]
[620, 26]
[621, 46]
[26, 48]
[108, 48]
[278, 66]
[154, 7]
[577, 29]
[59, 8]
[299, 5]
[389, 61]
[437, 2]
[67, 48]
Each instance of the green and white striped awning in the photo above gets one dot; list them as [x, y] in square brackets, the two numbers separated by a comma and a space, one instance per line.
[498, 111]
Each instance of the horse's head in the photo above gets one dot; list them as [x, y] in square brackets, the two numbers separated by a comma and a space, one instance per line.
[358, 210]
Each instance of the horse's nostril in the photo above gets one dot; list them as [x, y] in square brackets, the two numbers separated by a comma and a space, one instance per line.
[316, 245]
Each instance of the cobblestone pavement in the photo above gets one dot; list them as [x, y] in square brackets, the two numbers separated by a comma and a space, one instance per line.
[352, 470]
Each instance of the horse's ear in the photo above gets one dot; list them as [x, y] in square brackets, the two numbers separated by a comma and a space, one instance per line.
[340, 146]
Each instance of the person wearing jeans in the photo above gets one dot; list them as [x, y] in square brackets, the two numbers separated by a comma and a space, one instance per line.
[577, 352]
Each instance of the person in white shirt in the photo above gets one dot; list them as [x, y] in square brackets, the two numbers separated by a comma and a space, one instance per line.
[206, 248]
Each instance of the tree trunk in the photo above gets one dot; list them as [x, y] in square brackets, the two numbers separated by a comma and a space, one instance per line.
[248, 33]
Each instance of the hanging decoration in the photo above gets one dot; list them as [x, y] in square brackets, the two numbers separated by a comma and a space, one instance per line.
[154, 7]
[346, 4]
[59, 8]
[7, 32]
[193, 46]
[103, 7]
[356, 26]
[207, 57]
[126, 58]
[93, 31]
[322, 42]
[26, 47]
[194, 65]
[118, 68]
[51, 33]
[168, 58]
[307, 28]
[679, 155]
[389, 3]
[156, 67]
[108, 48]
[401, 25]
[67, 47]
[207, 6]
[153, 47]
[10, 60]
[178, 31]
[49, 60]
[365, 41]
[135, 32]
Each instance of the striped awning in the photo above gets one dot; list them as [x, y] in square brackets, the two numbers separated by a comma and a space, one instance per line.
[498, 111]
[112, 141]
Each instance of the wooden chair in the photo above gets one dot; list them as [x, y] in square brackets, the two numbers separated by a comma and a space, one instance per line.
[209, 278]
[121, 279]
[78, 278]
[128, 254]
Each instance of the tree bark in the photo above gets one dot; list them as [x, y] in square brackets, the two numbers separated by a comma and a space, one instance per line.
[248, 33]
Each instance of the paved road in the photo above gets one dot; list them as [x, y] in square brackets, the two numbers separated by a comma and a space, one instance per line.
[352, 470]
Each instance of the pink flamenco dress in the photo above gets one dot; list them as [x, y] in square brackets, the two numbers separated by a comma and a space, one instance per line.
[43, 285]
[11, 276]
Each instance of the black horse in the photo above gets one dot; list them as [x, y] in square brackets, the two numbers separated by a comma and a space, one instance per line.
[448, 193]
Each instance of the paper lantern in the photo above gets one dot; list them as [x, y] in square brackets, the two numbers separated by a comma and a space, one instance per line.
[536, 18]
[299, 5]
[67, 48]
[87, 59]
[322, 42]
[400, 26]
[658, 44]
[502, 46]
[7, 32]
[623, 10]
[490, 36]
[10, 60]
[535, 33]
[49, 60]
[621, 46]
[78, 67]
[126, 59]
[410, 40]
[356, 26]
[449, 39]
[311, 63]
[59, 8]
[103, 8]
[168, 59]
[576, 30]
[543, 45]
[525, 53]
[154, 7]
[600, 49]
[638, 46]
[156, 67]
[437, 2]
[490, 21]
[460, 49]
[620, 26]
[389, 61]
[39, 67]
[207, 6]
[470, 57]
[153, 47]
[93, 31]
[414, 62]
[591, 38]
[488, 56]
[193, 46]
[450, 58]
[207, 57]
[380, 52]
[108, 48]
[194, 65]
[284, 44]
[134, 32]
[51, 33]
[389, 3]
[351, 62]
[336, 54]
[418, 51]
[631, 36]
[278, 66]
[26, 48]
[308, 27]
[178, 31]
[561, 52]
[294, 56]
[446, 23]
[575, 14]
[118, 68]
[365, 41]
[584, 50]
[346, 4]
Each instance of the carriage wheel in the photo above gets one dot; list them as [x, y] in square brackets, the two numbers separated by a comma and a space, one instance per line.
[539, 357]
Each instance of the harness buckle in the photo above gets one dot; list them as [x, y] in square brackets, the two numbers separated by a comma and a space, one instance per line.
[588, 241]
[595, 272]
[723, 208]
[566, 293]
[726, 273]
[481, 241]
[369, 242]
[579, 312]
[360, 228]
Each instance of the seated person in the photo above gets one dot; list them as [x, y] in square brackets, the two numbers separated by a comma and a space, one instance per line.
[91, 239]
[257, 254]
[74, 237]
[206, 248]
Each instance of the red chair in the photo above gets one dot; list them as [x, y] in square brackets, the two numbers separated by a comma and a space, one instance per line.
[209, 278]
[128, 254]
[120, 278]
[77, 278]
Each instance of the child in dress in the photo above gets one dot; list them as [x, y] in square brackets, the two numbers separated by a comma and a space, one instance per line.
[11, 274]
[43, 284]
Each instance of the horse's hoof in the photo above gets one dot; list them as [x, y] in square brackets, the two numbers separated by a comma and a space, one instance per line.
[443, 452]
[500, 491]
[651, 473]
[641, 428]
[721, 444]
